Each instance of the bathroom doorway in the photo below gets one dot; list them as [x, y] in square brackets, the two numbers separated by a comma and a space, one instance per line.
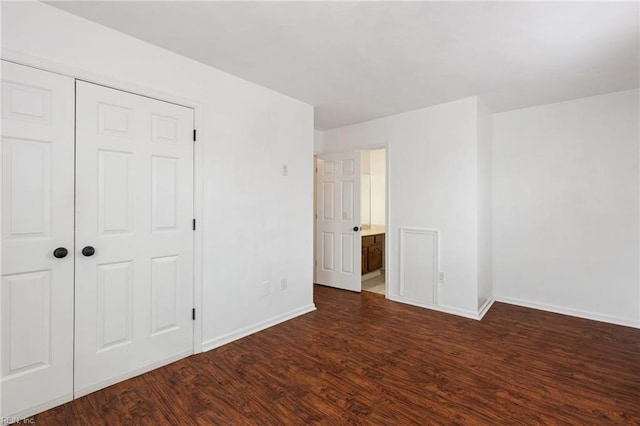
[373, 219]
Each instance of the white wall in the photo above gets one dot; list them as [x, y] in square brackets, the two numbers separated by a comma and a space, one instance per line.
[377, 171]
[317, 142]
[257, 224]
[433, 178]
[565, 207]
[485, 263]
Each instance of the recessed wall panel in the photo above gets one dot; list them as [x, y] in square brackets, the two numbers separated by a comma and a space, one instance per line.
[115, 193]
[115, 308]
[164, 294]
[418, 264]
[26, 188]
[164, 200]
[26, 322]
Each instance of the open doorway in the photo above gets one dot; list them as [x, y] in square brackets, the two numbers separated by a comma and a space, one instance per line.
[373, 219]
[350, 220]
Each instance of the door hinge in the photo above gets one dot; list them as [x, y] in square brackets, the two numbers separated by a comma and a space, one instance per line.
[194, 135]
[193, 314]
[316, 262]
[194, 224]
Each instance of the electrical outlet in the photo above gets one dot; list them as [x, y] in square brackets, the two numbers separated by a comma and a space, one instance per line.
[283, 284]
[285, 170]
[266, 288]
[441, 277]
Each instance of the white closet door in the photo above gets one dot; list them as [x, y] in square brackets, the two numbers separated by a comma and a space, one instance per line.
[37, 218]
[338, 238]
[134, 207]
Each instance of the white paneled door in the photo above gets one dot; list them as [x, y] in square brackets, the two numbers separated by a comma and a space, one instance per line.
[338, 242]
[37, 240]
[134, 236]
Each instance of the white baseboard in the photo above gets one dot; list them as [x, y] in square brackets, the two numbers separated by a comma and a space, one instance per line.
[32, 411]
[446, 309]
[568, 311]
[485, 308]
[130, 374]
[246, 331]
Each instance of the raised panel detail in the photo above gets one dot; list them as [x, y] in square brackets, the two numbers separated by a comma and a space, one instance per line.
[164, 294]
[328, 207]
[26, 322]
[164, 175]
[164, 129]
[24, 102]
[115, 308]
[347, 262]
[348, 167]
[347, 199]
[115, 193]
[114, 120]
[327, 251]
[418, 264]
[26, 188]
[329, 167]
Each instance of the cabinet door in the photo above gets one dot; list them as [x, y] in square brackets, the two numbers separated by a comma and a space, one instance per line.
[37, 219]
[374, 258]
[364, 260]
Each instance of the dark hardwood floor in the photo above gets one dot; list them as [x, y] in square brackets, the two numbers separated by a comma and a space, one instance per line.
[364, 360]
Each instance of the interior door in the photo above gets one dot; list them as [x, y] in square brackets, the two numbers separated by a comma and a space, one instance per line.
[338, 244]
[37, 219]
[134, 236]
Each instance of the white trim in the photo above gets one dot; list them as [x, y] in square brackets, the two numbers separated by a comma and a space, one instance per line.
[485, 308]
[246, 331]
[440, 308]
[32, 411]
[387, 217]
[198, 238]
[436, 262]
[129, 374]
[568, 311]
[198, 164]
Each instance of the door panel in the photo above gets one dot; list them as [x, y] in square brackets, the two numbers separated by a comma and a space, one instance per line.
[338, 246]
[37, 207]
[138, 153]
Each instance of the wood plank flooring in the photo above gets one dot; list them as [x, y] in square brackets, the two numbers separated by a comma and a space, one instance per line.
[360, 359]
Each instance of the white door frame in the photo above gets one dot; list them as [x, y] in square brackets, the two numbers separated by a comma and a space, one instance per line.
[198, 151]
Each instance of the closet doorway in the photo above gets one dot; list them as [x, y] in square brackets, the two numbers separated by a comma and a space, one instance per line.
[97, 238]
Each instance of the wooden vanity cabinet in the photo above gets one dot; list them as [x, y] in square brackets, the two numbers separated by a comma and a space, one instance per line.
[372, 252]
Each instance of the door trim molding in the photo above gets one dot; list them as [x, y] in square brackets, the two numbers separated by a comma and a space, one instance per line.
[198, 151]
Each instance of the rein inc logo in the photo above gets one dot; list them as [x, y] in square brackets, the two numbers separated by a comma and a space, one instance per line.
[18, 420]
